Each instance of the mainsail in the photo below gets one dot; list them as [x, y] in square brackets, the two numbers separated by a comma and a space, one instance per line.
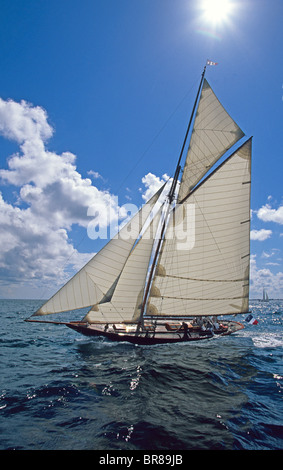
[208, 275]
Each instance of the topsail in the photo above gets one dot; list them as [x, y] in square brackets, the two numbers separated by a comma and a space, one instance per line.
[214, 132]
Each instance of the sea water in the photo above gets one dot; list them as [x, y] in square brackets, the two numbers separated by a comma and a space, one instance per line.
[60, 390]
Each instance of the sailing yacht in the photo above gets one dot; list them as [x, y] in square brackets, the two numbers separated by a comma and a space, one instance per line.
[164, 284]
[265, 297]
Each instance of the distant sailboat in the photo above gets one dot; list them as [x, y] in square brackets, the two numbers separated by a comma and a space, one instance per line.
[151, 289]
[265, 297]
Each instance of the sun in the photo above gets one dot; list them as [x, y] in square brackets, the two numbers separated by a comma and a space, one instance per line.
[216, 11]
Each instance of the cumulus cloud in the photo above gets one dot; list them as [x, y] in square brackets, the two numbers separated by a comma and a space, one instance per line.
[52, 196]
[263, 277]
[267, 214]
[260, 235]
[49, 182]
[23, 122]
[153, 183]
[33, 250]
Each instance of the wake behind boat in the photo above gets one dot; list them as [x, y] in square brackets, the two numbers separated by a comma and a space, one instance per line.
[186, 261]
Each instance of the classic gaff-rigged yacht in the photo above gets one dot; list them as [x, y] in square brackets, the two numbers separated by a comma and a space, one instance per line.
[158, 286]
[265, 297]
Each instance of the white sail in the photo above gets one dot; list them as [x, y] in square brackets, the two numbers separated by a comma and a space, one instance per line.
[95, 280]
[126, 301]
[213, 134]
[265, 297]
[210, 274]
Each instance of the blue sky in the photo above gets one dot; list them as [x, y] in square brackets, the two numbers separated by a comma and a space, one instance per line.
[95, 100]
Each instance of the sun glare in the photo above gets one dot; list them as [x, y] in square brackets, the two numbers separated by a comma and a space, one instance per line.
[216, 11]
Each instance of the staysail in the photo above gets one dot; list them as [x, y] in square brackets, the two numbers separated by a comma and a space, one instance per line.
[208, 275]
[126, 302]
[97, 279]
[214, 132]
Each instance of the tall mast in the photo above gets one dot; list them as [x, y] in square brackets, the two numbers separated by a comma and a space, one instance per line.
[170, 200]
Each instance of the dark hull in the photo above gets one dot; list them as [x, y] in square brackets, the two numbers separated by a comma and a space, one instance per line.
[150, 338]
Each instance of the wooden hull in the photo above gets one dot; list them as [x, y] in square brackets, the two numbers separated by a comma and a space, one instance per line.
[159, 336]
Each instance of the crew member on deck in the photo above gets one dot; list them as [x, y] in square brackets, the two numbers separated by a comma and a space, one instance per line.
[186, 330]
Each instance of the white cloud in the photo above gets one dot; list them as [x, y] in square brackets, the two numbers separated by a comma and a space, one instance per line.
[273, 252]
[260, 235]
[32, 249]
[94, 174]
[152, 184]
[52, 196]
[50, 183]
[267, 214]
[263, 277]
[54, 187]
[23, 122]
